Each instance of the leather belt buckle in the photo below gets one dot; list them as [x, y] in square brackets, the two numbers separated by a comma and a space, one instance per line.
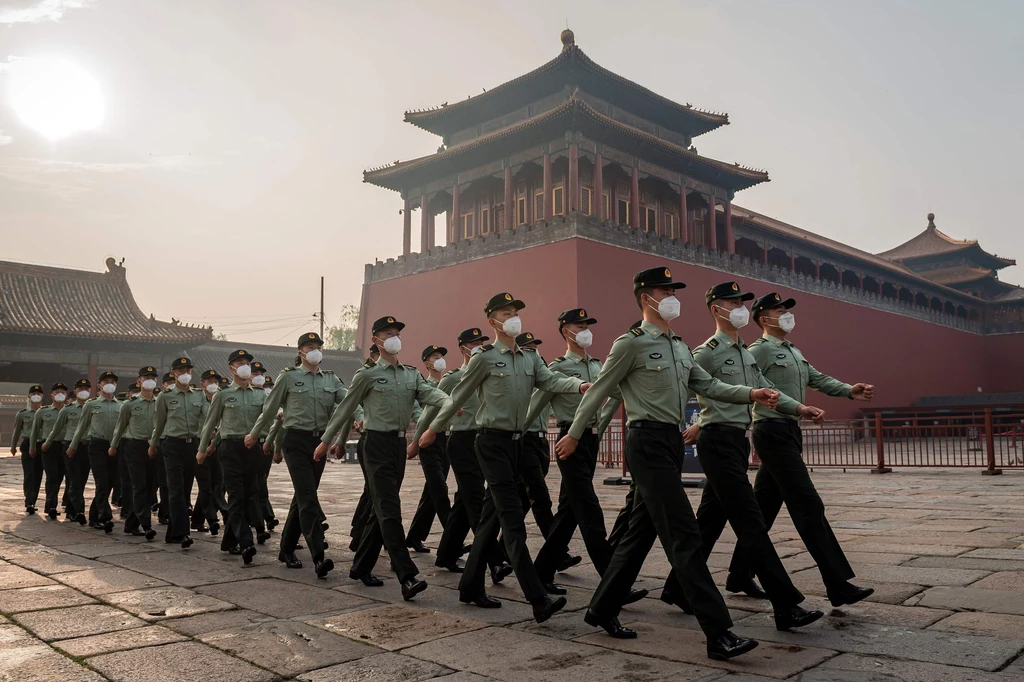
[517, 435]
[401, 434]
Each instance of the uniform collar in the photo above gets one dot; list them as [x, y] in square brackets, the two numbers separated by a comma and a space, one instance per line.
[654, 331]
[381, 362]
[774, 340]
[502, 348]
[177, 389]
[571, 355]
[236, 387]
[307, 370]
[726, 339]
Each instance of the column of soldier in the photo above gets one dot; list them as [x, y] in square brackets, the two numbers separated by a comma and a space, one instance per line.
[485, 420]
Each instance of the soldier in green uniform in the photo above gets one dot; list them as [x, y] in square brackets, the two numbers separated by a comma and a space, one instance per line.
[177, 424]
[435, 465]
[577, 501]
[135, 427]
[232, 415]
[504, 377]
[782, 476]
[53, 458]
[364, 508]
[96, 429]
[655, 372]
[724, 453]
[157, 470]
[63, 432]
[208, 472]
[262, 382]
[308, 395]
[387, 391]
[31, 465]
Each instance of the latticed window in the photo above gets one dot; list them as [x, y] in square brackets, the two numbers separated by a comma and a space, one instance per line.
[467, 226]
[499, 217]
[485, 222]
[558, 200]
[586, 177]
[607, 207]
[622, 188]
[648, 198]
[587, 200]
[538, 206]
[649, 219]
[623, 212]
[521, 211]
[671, 226]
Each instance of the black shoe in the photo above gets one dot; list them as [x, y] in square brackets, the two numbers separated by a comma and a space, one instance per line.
[749, 588]
[150, 534]
[108, 527]
[552, 588]
[326, 546]
[680, 601]
[466, 549]
[186, 542]
[214, 528]
[727, 645]
[453, 567]
[354, 545]
[547, 608]
[324, 567]
[635, 596]
[299, 547]
[610, 625]
[30, 509]
[370, 580]
[52, 513]
[500, 572]
[235, 551]
[138, 533]
[568, 562]
[324, 526]
[484, 601]
[272, 524]
[289, 560]
[201, 528]
[247, 554]
[795, 617]
[80, 517]
[262, 537]
[849, 593]
[411, 587]
[417, 546]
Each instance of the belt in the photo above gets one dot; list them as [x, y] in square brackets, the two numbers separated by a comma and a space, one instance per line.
[396, 434]
[564, 426]
[722, 427]
[775, 420]
[232, 438]
[513, 435]
[136, 440]
[308, 434]
[188, 439]
[658, 426]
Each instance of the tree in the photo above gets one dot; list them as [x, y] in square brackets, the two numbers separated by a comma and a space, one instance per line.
[342, 336]
[220, 337]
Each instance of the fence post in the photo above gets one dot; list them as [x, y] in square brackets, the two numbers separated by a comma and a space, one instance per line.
[880, 468]
[990, 446]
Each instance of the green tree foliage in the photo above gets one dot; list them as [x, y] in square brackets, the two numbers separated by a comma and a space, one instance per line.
[342, 336]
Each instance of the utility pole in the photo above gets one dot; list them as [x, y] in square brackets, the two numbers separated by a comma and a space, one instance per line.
[321, 307]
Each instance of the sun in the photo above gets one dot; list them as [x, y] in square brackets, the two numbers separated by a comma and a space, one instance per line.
[56, 97]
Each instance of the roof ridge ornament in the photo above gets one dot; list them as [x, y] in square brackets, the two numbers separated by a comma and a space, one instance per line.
[568, 39]
[931, 221]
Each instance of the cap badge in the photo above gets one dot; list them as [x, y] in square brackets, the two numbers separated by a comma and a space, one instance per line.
[735, 287]
[434, 347]
[312, 336]
[667, 273]
[583, 313]
[508, 297]
[183, 360]
[391, 319]
[776, 297]
[476, 332]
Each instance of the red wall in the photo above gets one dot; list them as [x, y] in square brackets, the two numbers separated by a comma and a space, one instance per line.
[903, 357]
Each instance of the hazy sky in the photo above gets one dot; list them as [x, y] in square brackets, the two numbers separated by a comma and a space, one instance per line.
[237, 130]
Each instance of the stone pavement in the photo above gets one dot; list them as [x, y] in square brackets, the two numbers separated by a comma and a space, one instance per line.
[943, 549]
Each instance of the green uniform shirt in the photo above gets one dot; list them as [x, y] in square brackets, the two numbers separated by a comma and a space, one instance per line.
[308, 398]
[732, 363]
[135, 420]
[67, 422]
[504, 380]
[179, 414]
[564, 404]
[464, 422]
[656, 374]
[42, 423]
[99, 418]
[232, 413]
[785, 366]
[276, 435]
[23, 424]
[387, 394]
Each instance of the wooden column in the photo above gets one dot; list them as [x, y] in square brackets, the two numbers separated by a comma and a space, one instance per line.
[599, 188]
[510, 199]
[431, 232]
[574, 178]
[817, 269]
[634, 200]
[684, 223]
[456, 214]
[424, 224]
[730, 237]
[792, 261]
[765, 252]
[407, 228]
[549, 205]
[712, 227]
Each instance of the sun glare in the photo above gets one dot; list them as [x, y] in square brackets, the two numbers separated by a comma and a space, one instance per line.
[56, 97]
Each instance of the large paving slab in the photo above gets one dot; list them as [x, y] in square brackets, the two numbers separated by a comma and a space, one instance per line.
[42, 597]
[122, 640]
[107, 580]
[918, 576]
[77, 621]
[282, 598]
[976, 623]
[13, 577]
[193, 626]
[158, 603]
[973, 599]
[386, 667]
[1003, 580]
[177, 568]
[36, 662]
[395, 627]
[182, 662]
[879, 669]
[49, 561]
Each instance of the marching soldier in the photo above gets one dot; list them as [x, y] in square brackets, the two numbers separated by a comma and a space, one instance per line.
[208, 471]
[64, 432]
[135, 427]
[232, 415]
[655, 372]
[435, 465]
[308, 395]
[363, 509]
[782, 476]
[724, 452]
[53, 458]
[96, 429]
[505, 377]
[387, 391]
[537, 456]
[177, 424]
[263, 383]
[31, 465]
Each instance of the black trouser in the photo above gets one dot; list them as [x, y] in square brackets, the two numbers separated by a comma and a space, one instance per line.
[364, 507]
[469, 500]
[264, 508]
[621, 524]
[662, 511]
[783, 477]
[501, 456]
[304, 515]
[179, 456]
[126, 501]
[116, 468]
[77, 468]
[136, 487]
[102, 464]
[241, 472]
[577, 505]
[156, 483]
[53, 465]
[533, 489]
[434, 498]
[208, 476]
[384, 452]
[31, 472]
[724, 453]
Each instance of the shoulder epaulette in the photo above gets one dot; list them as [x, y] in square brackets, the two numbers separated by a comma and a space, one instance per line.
[755, 343]
[636, 331]
[410, 367]
[712, 343]
[451, 371]
[327, 371]
[289, 369]
[486, 348]
[560, 358]
[369, 363]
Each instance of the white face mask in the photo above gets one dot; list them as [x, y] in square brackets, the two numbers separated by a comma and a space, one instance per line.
[513, 326]
[267, 390]
[109, 389]
[184, 379]
[475, 350]
[168, 386]
[212, 388]
[149, 384]
[83, 395]
[60, 397]
[440, 365]
[585, 338]
[787, 322]
[668, 308]
[243, 371]
[392, 345]
[314, 356]
[258, 380]
[36, 398]
[738, 317]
